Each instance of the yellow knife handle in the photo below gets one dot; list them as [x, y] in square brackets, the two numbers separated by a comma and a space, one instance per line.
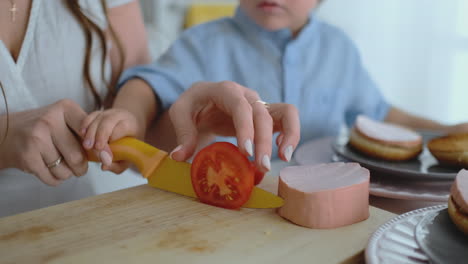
[145, 157]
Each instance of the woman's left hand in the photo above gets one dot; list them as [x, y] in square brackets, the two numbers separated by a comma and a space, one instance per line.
[230, 109]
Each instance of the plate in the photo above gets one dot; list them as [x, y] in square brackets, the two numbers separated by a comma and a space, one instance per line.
[430, 191]
[440, 239]
[394, 241]
[425, 167]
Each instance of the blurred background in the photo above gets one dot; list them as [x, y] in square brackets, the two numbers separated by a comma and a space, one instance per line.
[416, 51]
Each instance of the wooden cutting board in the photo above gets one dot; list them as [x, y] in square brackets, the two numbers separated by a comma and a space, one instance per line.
[147, 225]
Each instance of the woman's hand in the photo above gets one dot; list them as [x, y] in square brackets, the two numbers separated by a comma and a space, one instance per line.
[43, 142]
[101, 127]
[229, 109]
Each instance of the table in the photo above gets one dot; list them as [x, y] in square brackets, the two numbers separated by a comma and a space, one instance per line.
[148, 225]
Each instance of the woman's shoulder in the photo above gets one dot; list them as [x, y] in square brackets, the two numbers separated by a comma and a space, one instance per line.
[93, 4]
[94, 9]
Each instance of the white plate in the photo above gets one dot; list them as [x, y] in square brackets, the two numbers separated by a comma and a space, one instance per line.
[394, 241]
[382, 185]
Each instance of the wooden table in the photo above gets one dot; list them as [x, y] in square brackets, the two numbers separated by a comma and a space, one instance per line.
[147, 225]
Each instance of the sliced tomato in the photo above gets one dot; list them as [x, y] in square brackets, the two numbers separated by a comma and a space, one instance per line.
[258, 175]
[222, 176]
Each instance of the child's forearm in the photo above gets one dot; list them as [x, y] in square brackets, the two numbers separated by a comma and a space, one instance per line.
[137, 97]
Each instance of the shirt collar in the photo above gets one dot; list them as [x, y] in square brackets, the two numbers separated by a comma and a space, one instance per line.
[280, 37]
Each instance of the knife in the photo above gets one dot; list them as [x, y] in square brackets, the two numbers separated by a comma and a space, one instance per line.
[164, 173]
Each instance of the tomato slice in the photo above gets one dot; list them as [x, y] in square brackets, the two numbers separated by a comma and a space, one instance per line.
[222, 176]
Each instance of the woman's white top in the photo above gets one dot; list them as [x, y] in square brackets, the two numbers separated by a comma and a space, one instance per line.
[49, 68]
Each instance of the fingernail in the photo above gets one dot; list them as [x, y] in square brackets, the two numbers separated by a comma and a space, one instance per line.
[288, 153]
[88, 143]
[105, 158]
[266, 162]
[175, 150]
[248, 147]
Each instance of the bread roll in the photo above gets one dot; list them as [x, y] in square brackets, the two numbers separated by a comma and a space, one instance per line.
[451, 149]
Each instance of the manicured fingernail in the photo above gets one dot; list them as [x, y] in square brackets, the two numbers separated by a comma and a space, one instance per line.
[266, 162]
[288, 153]
[175, 150]
[105, 158]
[87, 143]
[248, 147]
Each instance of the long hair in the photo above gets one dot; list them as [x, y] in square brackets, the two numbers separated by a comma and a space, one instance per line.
[7, 115]
[90, 29]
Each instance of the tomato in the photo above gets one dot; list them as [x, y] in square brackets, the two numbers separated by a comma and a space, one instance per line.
[222, 176]
[258, 175]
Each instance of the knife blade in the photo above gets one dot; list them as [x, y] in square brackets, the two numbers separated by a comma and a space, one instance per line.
[164, 173]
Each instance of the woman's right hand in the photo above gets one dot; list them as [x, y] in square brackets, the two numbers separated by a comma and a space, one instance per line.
[38, 138]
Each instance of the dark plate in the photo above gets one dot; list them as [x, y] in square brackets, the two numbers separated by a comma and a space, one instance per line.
[425, 167]
[440, 239]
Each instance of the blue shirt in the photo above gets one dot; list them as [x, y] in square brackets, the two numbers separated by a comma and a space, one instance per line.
[319, 71]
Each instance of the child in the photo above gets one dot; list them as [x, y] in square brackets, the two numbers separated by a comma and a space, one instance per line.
[281, 50]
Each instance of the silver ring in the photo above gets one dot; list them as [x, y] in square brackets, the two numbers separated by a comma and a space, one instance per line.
[267, 105]
[55, 163]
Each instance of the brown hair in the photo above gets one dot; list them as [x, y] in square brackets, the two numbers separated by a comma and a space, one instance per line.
[7, 115]
[89, 28]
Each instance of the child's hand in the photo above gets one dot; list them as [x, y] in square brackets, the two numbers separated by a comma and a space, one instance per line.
[101, 127]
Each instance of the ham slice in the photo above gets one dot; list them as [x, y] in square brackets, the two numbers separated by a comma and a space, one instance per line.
[459, 191]
[387, 133]
[325, 195]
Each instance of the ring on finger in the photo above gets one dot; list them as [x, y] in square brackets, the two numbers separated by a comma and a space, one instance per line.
[54, 163]
[267, 105]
